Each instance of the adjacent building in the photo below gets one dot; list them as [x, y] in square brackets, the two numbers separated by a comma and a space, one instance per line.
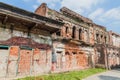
[25, 42]
[113, 50]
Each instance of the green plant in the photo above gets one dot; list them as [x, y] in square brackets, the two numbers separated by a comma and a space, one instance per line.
[73, 75]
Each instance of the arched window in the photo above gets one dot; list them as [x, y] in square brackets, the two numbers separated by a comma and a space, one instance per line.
[66, 31]
[97, 38]
[80, 31]
[73, 32]
[105, 39]
[58, 33]
[101, 39]
[67, 53]
[74, 53]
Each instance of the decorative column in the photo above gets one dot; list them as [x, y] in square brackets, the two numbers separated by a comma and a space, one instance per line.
[77, 33]
[63, 33]
[82, 35]
[70, 32]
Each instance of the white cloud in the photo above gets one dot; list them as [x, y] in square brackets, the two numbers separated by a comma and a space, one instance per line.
[80, 5]
[48, 1]
[96, 13]
[110, 18]
[113, 14]
[105, 16]
[114, 26]
[51, 3]
[35, 6]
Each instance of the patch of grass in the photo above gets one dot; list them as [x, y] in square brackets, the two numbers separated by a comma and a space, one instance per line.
[73, 75]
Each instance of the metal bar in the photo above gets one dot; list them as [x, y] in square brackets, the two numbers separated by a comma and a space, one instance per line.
[4, 47]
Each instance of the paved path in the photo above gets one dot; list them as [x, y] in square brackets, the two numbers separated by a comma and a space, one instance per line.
[109, 75]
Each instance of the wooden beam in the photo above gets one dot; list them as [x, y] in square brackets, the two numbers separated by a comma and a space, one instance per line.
[33, 26]
[5, 20]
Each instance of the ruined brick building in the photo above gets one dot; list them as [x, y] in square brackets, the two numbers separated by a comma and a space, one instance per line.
[51, 41]
[25, 41]
[80, 43]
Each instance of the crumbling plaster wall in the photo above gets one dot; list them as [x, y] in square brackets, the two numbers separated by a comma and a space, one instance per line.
[113, 50]
[113, 57]
[116, 40]
[24, 61]
[83, 30]
[101, 42]
[6, 33]
[91, 33]
[101, 36]
[70, 56]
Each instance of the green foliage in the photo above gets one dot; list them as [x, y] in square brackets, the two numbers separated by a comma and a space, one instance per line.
[74, 75]
[49, 13]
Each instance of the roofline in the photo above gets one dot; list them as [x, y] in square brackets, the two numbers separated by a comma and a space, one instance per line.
[85, 19]
[114, 33]
[99, 26]
[8, 9]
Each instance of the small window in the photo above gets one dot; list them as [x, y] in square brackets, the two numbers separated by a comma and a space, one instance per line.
[97, 35]
[66, 30]
[27, 52]
[73, 32]
[74, 53]
[67, 53]
[58, 33]
[105, 39]
[59, 52]
[101, 36]
[80, 31]
[80, 52]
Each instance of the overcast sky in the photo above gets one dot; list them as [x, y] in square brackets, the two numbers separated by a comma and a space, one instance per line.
[102, 12]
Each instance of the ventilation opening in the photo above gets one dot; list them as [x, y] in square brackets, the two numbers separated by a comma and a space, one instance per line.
[27, 52]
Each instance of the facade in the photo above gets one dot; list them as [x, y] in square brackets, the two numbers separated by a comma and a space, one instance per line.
[101, 40]
[80, 43]
[113, 50]
[73, 45]
[51, 41]
[25, 42]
